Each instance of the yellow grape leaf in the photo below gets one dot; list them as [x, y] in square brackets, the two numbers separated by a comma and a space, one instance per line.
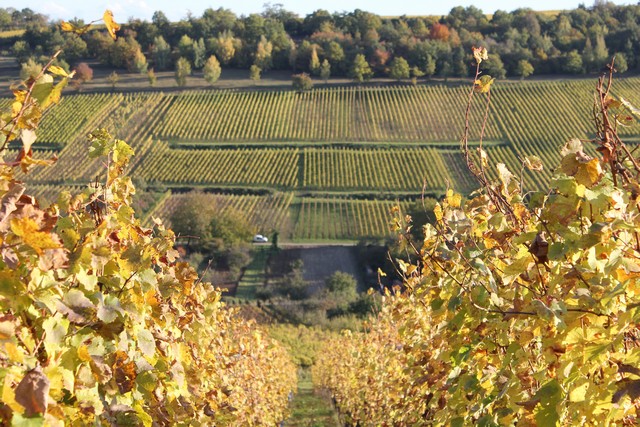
[70, 28]
[572, 146]
[569, 164]
[589, 173]
[111, 25]
[83, 353]
[8, 395]
[30, 232]
[15, 355]
[579, 393]
[437, 211]
[27, 161]
[58, 71]
[633, 110]
[484, 158]
[612, 103]
[7, 330]
[453, 199]
[483, 84]
[67, 26]
[28, 137]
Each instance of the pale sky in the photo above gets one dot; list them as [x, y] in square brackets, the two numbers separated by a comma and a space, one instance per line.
[178, 9]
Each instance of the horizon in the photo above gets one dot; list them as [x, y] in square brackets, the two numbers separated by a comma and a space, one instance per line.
[125, 10]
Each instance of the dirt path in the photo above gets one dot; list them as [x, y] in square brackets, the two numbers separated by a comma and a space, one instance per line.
[310, 408]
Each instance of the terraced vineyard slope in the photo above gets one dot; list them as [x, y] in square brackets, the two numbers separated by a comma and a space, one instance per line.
[326, 164]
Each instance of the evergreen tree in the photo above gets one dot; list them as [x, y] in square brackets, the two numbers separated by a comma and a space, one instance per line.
[199, 54]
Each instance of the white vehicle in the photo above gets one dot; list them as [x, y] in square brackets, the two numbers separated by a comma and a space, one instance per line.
[259, 238]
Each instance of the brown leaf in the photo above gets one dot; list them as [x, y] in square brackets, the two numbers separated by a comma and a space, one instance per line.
[77, 307]
[628, 369]
[101, 371]
[529, 405]
[627, 387]
[540, 249]
[33, 392]
[8, 205]
[53, 259]
[124, 372]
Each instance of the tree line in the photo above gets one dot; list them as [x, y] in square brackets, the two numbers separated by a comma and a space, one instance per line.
[357, 44]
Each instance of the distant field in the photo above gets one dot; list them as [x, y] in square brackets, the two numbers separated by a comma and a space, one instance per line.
[322, 165]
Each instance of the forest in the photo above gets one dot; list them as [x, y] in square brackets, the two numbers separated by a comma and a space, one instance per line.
[356, 44]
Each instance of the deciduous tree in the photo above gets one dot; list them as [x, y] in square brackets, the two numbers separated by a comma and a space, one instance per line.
[325, 70]
[113, 78]
[212, 70]
[183, 70]
[254, 73]
[399, 69]
[524, 69]
[84, 73]
[302, 82]
[360, 69]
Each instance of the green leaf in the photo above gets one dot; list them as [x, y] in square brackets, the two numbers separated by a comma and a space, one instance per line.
[19, 421]
[42, 90]
[101, 143]
[55, 329]
[122, 152]
[557, 251]
[549, 396]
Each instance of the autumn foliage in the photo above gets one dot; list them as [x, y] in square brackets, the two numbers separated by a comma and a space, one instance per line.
[101, 323]
[521, 309]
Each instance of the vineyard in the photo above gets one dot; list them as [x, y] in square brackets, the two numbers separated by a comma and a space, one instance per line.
[517, 303]
[320, 148]
[514, 314]
[425, 113]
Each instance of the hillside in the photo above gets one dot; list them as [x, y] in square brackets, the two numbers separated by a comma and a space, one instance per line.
[323, 165]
